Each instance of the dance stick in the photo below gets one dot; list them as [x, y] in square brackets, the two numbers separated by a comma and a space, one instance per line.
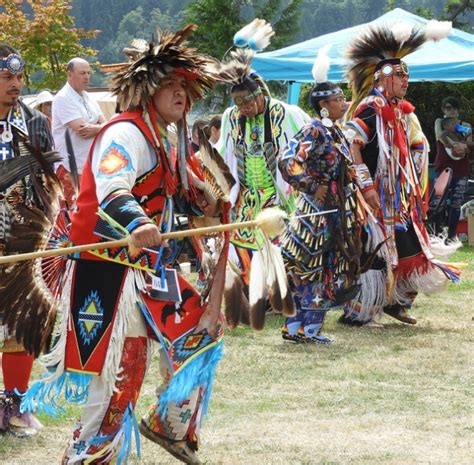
[270, 220]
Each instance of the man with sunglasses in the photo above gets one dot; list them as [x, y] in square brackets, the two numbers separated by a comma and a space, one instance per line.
[254, 131]
[390, 155]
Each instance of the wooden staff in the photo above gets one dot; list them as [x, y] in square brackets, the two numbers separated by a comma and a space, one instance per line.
[270, 220]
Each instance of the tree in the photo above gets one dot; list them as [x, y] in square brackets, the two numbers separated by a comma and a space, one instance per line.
[136, 24]
[219, 20]
[455, 9]
[44, 33]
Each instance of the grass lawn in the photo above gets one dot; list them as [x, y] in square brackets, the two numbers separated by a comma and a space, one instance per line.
[398, 395]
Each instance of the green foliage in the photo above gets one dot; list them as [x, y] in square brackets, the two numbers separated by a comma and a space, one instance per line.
[459, 11]
[138, 23]
[45, 34]
[216, 37]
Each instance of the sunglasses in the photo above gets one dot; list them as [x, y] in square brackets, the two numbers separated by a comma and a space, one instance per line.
[242, 100]
[340, 99]
[450, 107]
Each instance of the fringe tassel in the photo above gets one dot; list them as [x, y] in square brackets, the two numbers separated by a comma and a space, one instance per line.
[368, 303]
[128, 299]
[199, 372]
[123, 438]
[42, 395]
[442, 249]
[431, 278]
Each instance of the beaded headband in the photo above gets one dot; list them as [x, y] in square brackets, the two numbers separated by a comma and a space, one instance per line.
[13, 63]
[326, 93]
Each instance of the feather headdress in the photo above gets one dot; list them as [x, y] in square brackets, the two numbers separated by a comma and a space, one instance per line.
[135, 82]
[376, 44]
[238, 67]
[237, 70]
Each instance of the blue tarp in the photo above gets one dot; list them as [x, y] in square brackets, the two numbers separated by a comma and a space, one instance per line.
[451, 59]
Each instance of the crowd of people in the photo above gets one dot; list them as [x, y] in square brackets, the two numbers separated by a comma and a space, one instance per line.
[356, 238]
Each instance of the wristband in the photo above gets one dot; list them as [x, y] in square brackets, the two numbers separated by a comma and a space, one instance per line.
[363, 179]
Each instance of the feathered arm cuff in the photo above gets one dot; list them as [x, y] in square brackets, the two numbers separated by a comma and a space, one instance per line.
[122, 207]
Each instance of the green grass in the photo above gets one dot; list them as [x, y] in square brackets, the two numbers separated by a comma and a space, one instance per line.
[399, 395]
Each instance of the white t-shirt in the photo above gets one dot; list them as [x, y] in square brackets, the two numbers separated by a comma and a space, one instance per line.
[68, 106]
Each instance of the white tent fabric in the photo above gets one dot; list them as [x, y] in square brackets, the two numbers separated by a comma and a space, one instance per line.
[451, 59]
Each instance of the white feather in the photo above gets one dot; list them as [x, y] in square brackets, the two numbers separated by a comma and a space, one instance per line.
[261, 39]
[401, 31]
[437, 30]
[321, 64]
[441, 248]
[279, 265]
[241, 37]
[258, 279]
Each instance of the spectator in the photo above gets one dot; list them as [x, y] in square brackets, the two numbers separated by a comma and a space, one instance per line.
[76, 112]
[453, 149]
[200, 123]
[43, 103]
[214, 129]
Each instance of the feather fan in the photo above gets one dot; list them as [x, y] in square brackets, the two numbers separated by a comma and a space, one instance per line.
[28, 308]
[218, 180]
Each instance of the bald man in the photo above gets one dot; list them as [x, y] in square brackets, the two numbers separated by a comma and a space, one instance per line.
[75, 111]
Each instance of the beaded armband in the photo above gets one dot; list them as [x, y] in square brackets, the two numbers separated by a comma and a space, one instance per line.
[122, 207]
[363, 179]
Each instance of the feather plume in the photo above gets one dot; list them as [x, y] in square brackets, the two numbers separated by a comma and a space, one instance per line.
[374, 44]
[242, 36]
[288, 305]
[402, 31]
[237, 67]
[218, 180]
[113, 67]
[16, 168]
[257, 291]
[261, 39]
[236, 307]
[321, 64]
[279, 293]
[437, 30]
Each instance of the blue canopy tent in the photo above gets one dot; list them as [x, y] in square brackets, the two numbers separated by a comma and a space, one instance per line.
[451, 59]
